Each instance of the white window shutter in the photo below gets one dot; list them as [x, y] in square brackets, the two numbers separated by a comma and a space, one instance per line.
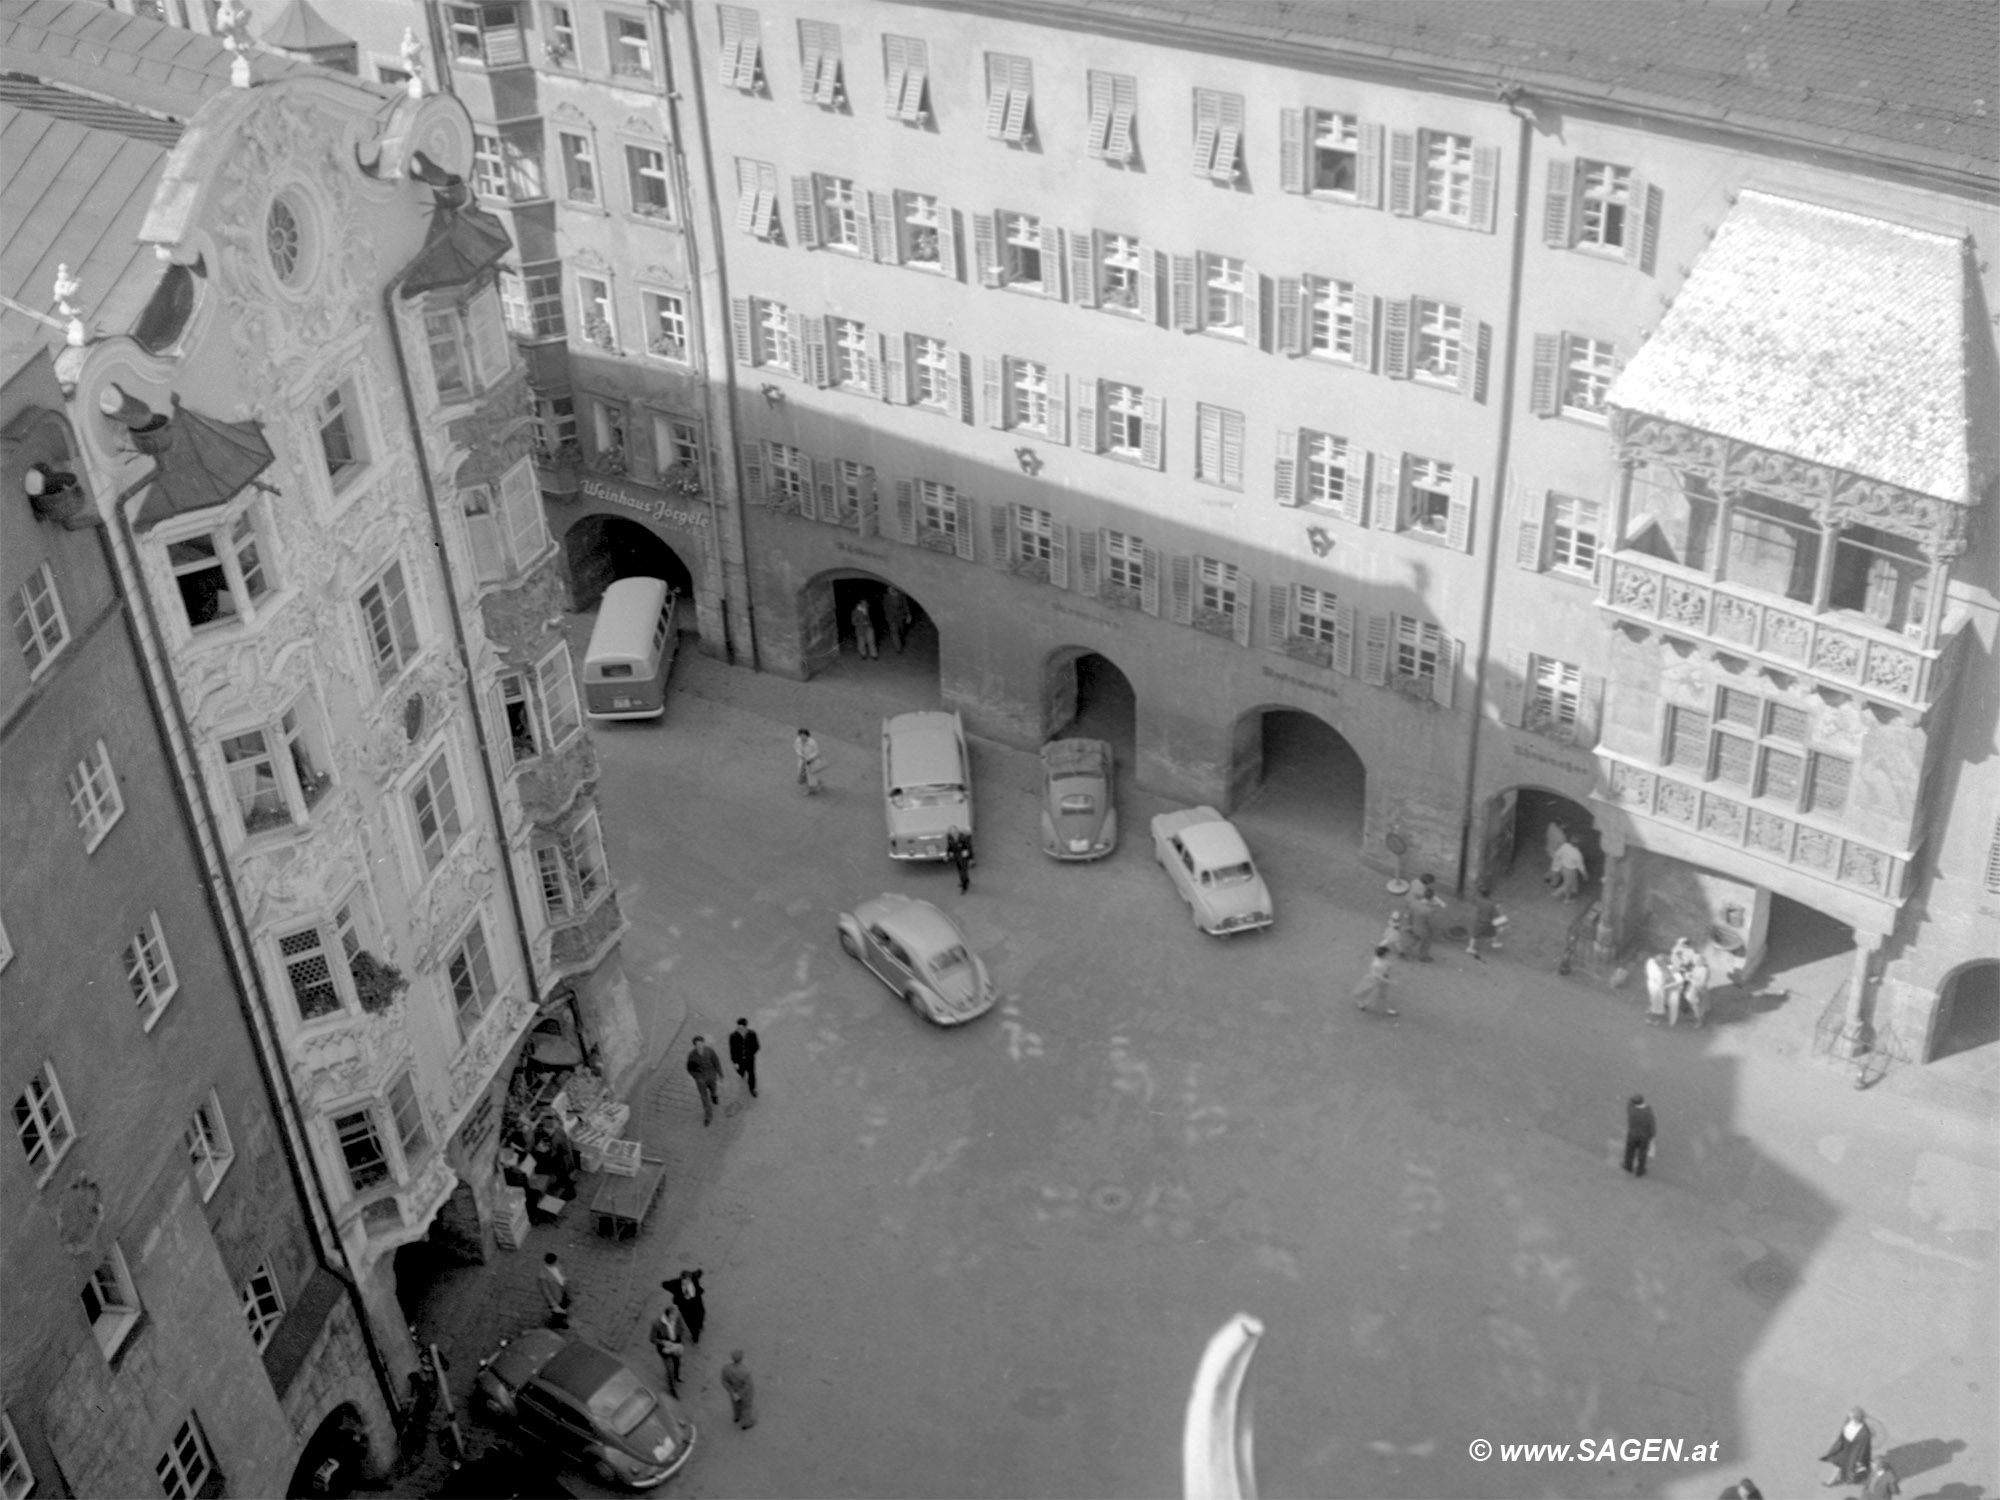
[1364, 329]
[994, 391]
[1544, 385]
[986, 250]
[805, 210]
[1207, 128]
[1396, 338]
[795, 327]
[882, 209]
[743, 331]
[1375, 650]
[809, 482]
[752, 454]
[1557, 200]
[967, 519]
[865, 243]
[1352, 503]
[895, 370]
[954, 383]
[1059, 554]
[1151, 273]
[1485, 186]
[1528, 537]
[947, 233]
[1183, 294]
[868, 523]
[1232, 449]
[1292, 150]
[1253, 308]
[1343, 639]
[1089, 542]
[1291, 315]
[1451, 655]
[1403, 172]
[1149, 582]
[1458, 525]
[1368, 166]
[1180, 580]
[1277, 616]
[1000, 534]
[1052, 262]
[1058, 429]
[1240, 613]
[1083, 268]
[1087, 396]
[1285, 477]
[906, 512]
[1152, 432]
[961, 396]
[1472, 361]
[1385, 507]
[818, 366]
[1208, 443]
[1642, 223]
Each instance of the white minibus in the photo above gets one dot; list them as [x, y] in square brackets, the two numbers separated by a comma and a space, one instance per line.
[631, 648]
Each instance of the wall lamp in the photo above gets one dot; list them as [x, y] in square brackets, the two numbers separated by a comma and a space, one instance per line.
[774, 396]
[1029, 460]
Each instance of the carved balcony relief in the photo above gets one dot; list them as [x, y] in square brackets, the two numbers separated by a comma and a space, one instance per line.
[577, 946]
[549, 785]
[356, 1055]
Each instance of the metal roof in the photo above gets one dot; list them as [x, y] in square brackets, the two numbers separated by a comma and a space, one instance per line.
[1917, 80]
[300, 28]
[1828, 335]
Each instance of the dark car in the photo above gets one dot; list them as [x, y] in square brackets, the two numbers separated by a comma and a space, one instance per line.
[566, 1394]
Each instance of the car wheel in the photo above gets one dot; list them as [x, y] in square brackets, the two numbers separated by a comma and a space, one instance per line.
[910, 999]
[847, 941]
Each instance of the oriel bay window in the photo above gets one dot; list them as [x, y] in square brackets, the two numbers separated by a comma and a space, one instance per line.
[1758, 745]
[319, 964]
[219, 571]
[1884, 578]
[571, 870]
[540, 706]
[277, 773]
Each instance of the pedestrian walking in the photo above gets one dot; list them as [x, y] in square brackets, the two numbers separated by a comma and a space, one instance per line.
[1417, 923]
[1374, 984]
[685, 1289]
[1640, 1128]
[1882, 1482]
[555, 1290]
[667, 1343]
[811, 762]
[742, 1391]
[1489, 924]
[1396, 936]
[1852, 1453]
[958, 849]
[743, 1050]
[864, 630]
[896, 613]
[1567, 870]
[705, 1068]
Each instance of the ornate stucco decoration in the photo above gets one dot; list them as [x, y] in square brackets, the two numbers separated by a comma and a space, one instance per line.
[383, 749]
[498, 1030]
[350, 1058]
[296, 880]
[436, 917]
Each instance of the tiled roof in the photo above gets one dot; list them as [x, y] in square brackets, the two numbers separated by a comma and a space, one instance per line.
[1823, 334]
[1913, 79]
[300, 28]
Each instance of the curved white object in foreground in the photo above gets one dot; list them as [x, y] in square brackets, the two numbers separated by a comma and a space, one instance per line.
[1215, 1441]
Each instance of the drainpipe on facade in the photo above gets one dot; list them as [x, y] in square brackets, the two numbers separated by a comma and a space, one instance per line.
[1502, 473]
[721, 419]
[424, 478]
[258, 1014]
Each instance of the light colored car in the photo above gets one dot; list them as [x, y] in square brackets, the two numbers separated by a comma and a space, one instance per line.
[926, 782]
[566, 1396]
[1211, 867]
[921, 955]
[1079, 820]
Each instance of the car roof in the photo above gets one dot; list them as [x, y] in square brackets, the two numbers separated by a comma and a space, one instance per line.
[524, 1355]
[1216, 843]
[580, 1369]
[916, 922]
[1076, 757]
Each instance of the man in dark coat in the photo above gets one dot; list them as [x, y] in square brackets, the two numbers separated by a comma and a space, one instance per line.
[742, 1389]
[1640, 1128]
[1851, 1451]
[685, 1289]
[705, 1068]
[743, 1049]
[958, 849]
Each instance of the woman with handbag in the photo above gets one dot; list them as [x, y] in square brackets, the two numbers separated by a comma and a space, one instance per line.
[811, 763]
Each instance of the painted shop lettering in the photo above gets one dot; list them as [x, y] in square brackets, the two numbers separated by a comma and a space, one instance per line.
[651, 509]
[1528, 752]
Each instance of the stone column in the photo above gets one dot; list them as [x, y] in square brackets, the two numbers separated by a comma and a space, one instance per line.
[1857, 1032]
[1610, 897]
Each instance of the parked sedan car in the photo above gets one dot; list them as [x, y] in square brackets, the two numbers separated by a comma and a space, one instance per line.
[568, 1396]
[920, 954]
[1211, 866]
[926, 782]
[1079, 820]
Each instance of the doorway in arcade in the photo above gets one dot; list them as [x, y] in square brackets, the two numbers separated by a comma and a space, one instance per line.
[1290, 769]
[832, 610]
[1519, 831]
[602, 549]
[1086, 696]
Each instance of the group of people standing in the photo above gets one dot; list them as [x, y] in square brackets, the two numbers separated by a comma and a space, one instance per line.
[895, 613]
[1851, 1460]
[1675, 980]
[1413, 929]
[679, 1324]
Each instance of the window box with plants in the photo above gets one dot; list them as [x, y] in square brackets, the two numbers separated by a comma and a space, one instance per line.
[377, 984]
[1309, 649]
[1036, 569]
[597, 328]
[1118, 596]
[937, 541]
[1215, 622]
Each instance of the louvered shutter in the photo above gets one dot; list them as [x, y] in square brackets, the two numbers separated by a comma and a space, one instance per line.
[743, 331]
[1208, 443]
[1472, 360]
[1232, 449]
[810, 62]
[521, 509]
[986, 250]
[492, 350]
[1396, 338]
[1558, 202]
[1375, 650]
[895, 369]
[1385, 510]
[805, 209]
[868, 523]
[1149, 580]
[1403, 172]
[1285, 476]
[1292, 150]
[1364, 329]
[809, 482]
[819, 366]
[489, 561]
[1291, 315]
[1229, 142]
[947, 233]
[1059, 554]
[906, 512]
[795, 329]
[1589, 711]
[896, 58]
[958, 385]
[1083, 268]
[1020, 82]
[1451, 655]
[1642, 224]
[1485, 187]
[1207, 127]
[1368, 166]
[912, 106]
[1087, 395]
[865, 242]
[882, 209]
[1352, 504]
[1510, 691]
[1343, 639]
[1458, 525]
[1000, 526]
[1277, 616]
[1152, 434]
[1088, 541]
[1058, 428]
[1124, 104]
[1253, 308]
[1098, 132]
[994, 391]
[962, 541]
[996, 96]
[746, 197]
[1183, 294]
[1528, 537]
[1180, 578]
[1543, 385]
[752, 454]
[1052, 262]
[1240, 614]
[1150, 269]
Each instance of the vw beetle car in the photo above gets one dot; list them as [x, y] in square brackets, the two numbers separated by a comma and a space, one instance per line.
[1211, 866]
[920, 954]
[1078, 818]
[586, 1406]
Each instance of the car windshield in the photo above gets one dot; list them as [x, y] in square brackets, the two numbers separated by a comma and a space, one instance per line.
[954, 957]
[1229, 875]
[939, 795]
[622, 1402]
[1077, 802]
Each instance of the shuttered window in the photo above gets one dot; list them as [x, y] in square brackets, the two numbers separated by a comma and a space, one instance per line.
[819, 64]
[1009, 91]
[1218, 135]
[1113, 99]
[1219, 446]
[742, 48]
[906, 79]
